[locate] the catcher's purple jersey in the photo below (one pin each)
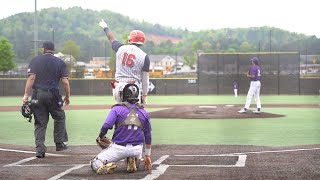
(124, 134)
(256, 71)
(130, 62)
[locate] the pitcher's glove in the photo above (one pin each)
(103, 142)
(248, 73)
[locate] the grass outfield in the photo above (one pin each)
(301, 126)
(265, 99)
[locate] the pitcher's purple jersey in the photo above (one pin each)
(123, 134)
(256, 71)
(130, 62)
(235, 85)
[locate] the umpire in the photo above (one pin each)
(44, 74)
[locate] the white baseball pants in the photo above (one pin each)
(115, 152)
(254, 90)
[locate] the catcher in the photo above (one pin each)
(132, 130)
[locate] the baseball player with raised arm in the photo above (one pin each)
(132, 64)
(255, 75)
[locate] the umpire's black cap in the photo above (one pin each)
(48, 45)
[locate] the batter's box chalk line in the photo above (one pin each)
(241, 162)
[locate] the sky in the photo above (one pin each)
(300, 16)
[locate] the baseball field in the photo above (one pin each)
(249, 146)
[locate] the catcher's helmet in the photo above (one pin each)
(130, 93)
(136, 37)
(26, 109)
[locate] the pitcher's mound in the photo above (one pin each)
(209, 112)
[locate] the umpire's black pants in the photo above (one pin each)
(46, 105)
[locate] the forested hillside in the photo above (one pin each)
(81, 26)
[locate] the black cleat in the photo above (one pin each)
(61, 146)
(40, 154)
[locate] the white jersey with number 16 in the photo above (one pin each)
(129, 64)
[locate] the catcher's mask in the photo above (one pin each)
(130, 93)
(26, 109)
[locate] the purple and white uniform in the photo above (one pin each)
(255, 86)
(131, 62)
(128, 139)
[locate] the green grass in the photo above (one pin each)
(300, 126)
(266, 99)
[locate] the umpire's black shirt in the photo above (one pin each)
(48, 70)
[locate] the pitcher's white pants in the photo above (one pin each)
(235, 92)
(254, 90)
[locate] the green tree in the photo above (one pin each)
(190, 60)
(71, 48)
(245, 47)
(6, 55)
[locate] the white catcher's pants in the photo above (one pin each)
(115, 152)
(254, 90)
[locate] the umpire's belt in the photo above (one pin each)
(43, 90)
(125, 144)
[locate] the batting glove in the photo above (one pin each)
(103, 24)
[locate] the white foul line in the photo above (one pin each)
(204, 155)
(66, 172)
(156, 173)
(240, 163)
(161, 159)
(20, 162)
(27, 159)
(161, 169)
(29, 152)
(255, 152)
(275, 151)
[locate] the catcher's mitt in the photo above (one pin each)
(103, 142)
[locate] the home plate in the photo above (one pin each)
(230, 105)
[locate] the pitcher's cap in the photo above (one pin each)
(255, 59)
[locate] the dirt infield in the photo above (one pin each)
(209, 112)
(169, 162)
